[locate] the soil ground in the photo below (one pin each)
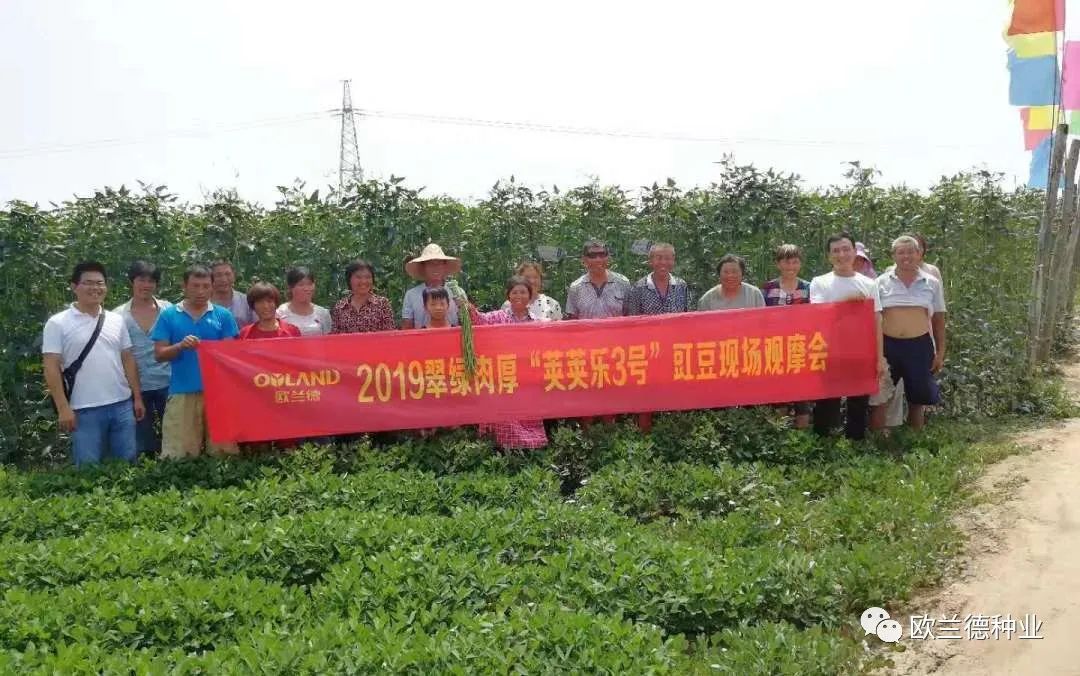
(1022, 557)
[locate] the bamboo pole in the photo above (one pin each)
(1074, 277)
(1067, 270)
(1044, 248)
(1058, 279)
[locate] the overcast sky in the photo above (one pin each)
(201, 94)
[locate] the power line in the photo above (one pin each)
(351, 151)
(646, 135)
(190, 132)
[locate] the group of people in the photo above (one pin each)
(127, 381)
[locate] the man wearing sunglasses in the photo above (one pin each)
(599, 293)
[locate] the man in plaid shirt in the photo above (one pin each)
(657, 293)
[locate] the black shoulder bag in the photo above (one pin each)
(68, 374)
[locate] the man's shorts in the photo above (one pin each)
(184, 432)
(910, 360)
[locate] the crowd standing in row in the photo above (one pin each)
(128, 380)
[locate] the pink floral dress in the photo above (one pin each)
(516, 433)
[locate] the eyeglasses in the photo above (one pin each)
(93, 285)
(596, 254)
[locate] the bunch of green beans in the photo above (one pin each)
(468, 351)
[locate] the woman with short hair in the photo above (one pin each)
(542, 306)
(263, 299)
(516, 309)
(732, 293)
(788, 288)
(362, 310)
(514, 434)
(300, 311)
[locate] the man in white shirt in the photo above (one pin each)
(106, 399)
(844, 284)
(913, 322)
(897, 409)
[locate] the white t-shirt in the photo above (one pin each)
(924, 292)
(101, 380)
(832, 288)
(315, 324)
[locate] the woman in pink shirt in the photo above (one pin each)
(518, 433)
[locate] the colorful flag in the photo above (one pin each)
(1070, 75)
(1040, 164)
(1033, 44)
(1033, 136)
(1041, 118)
(1032, 82)
(1037, 16)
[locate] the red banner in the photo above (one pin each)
(304, 387)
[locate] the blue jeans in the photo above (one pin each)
(113, 424)
(148, 430)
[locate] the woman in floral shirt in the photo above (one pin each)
(542, 306)
(519, 298)
(362, 310)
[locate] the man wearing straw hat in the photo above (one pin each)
(431, 267)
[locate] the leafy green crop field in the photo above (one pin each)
(722, 543)
(974, 223)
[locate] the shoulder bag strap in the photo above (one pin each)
(77, 364)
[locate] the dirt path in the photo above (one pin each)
(1023, 557)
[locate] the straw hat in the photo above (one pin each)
(432, 252)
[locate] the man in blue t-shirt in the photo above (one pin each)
(176, 335)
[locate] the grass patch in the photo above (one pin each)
(725, 542)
